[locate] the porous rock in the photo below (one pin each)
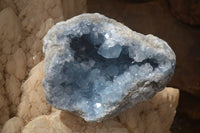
(4, 115)
(46, 124)
(161, 108)
(16, 65)
(154, 116)
(13, 125)
(10, 32)
(13, 93)
(19, 20)
(36, 11)
(10, 26)
(97, 67)
(33, 101)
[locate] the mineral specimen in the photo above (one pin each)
(97, 67)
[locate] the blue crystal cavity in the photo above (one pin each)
(95, 71)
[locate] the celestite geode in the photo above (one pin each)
(97, 67)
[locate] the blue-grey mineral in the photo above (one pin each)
(96, 67)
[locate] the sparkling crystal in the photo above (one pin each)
(97, 67)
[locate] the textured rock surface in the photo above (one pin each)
(13, 90)
(154, 116)
(97, 67)
(45, 8)
(33, 101)
(46, 124)
(15, 66)
(60, 121)
(9, 21)
(13, 125)
(23, 24)
(161, 23)
(10, 36)
(4, 115)
(155, 17)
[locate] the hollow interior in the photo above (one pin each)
(86, 50)
(92, 79)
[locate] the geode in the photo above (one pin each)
(97, 67)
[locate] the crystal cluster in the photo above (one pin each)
(97, 67)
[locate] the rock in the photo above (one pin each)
(4, 110)
(77, 124)
(13, 93)
(10, 26)
(37, 11)
(10, 66)
(139, 17)
(46, 124)
(19, 20)
(8, 3)
(35, 46)
(3, 59)
(44, 28)
(13, 125)
(186, 11)
(55, 123)
(97, 67)
(6, 47)
(155, 115)
(33, 101)
(33, 105)
(17, 64)
(4, 115)
(20, 63)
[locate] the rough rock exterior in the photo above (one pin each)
(162, 23)
(154, 116)
(97, 67)
(161, 108)
(23, 24)
(13, 125)
(33, 101)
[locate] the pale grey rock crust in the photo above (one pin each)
(97, 67)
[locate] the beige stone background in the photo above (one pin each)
(23, 24)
